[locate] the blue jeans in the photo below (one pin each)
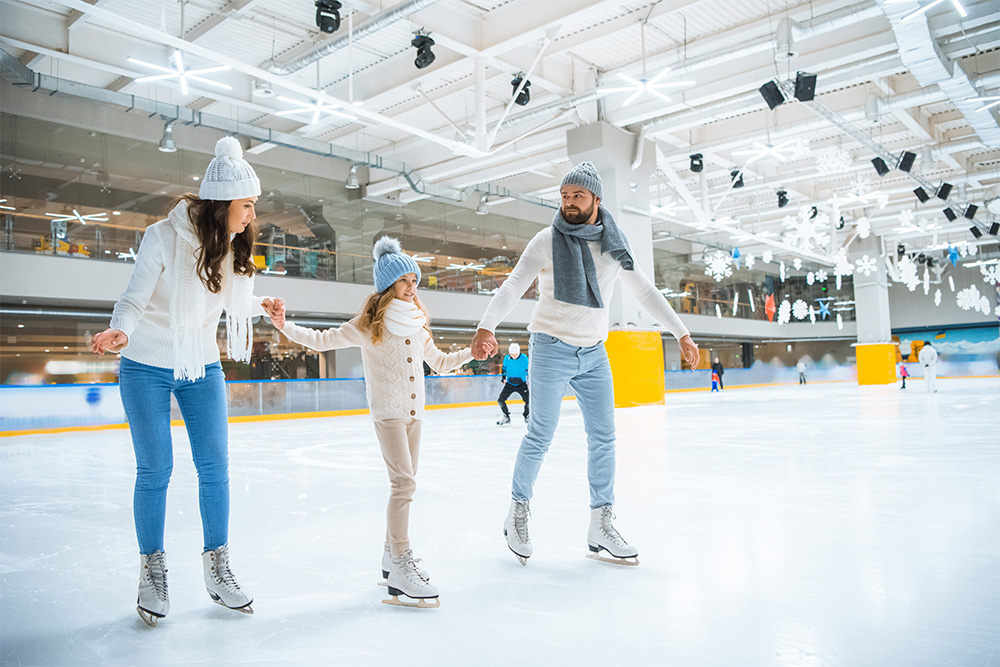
(145, 392)
(553, 365)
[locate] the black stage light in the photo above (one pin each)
(880, 166)
(697, 163)
(976, 232)
(772, 94)
(906, 161)
(950, 214)
(970, 211)
(424, 54)
(805, 86)
(524, 96)
(737, 177)
(782, 199)
(994, 228)
(921, 195)
(813, 212)
(943, 191)
(328, 15)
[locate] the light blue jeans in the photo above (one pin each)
(145, 392)
(553, 365)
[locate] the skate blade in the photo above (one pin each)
(147, 617)
(418, 603)
(632, 560)
(246, 609)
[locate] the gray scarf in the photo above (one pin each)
(574, 276)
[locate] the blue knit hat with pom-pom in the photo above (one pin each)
(391, 263)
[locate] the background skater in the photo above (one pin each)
(514, 373)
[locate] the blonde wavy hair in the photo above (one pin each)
(373, 313)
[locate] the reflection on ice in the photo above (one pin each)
(827, 524)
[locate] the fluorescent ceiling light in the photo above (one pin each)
(76, 217)
(317, 107)
(177, 70)
(639, 86)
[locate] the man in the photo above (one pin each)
(801, 367)
(577, 262)
(514, 373)
(717, 368)
(928, 358)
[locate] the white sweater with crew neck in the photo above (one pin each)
(570, 323)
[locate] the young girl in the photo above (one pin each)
(395, 341)
(190, 266)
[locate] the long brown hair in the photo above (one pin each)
(210, 219)
(373, 313)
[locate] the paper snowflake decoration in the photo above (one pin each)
(991, 274)
(833, 160)
(766, 256)
(840, 322)
(937, 297)
(806, 232)
(984, 305)
(842, 267)
(906, 217)
(867, 265)
(750, 260)
(927, 281)
(812, 314)
(908, 272)
(968, 298)
(784, 312)
(810, 278)
(860, 186)
(781, 271)
(797, 263)
(821, 276)
(864, 227)
(800, 309)
(719, 266)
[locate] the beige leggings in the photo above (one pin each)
(400, 443)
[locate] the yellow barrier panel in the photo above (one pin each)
(876, 363)
(637, 366)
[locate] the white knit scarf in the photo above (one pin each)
(189, 303)
(403, 318)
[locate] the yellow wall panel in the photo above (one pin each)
(637, 366)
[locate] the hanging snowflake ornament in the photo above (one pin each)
(750, 260)
(797, 263)
(719, 266)
(860, 186)
(906, 217)
(927, 281)
(984, 305)
(991, 274)
(937, 297)
(867, 265)
(968, 298)
(883, 200)
(842, 267)
(840, 322)
(800, 309)
(781, 271)
(833, 160)
(766, 256)
(784, 312)
(821, 276)
(810, 278)
(812, 314)
(807, 231)
(864, 227)
(908, 272)
(951, 283)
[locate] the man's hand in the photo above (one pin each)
(484, 345)
(109, 340)
(689, 349)
(275, 309)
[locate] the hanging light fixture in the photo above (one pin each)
(643, 85)
(167, 140)
(178, 70)
(352, 178)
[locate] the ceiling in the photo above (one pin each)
(887, 82)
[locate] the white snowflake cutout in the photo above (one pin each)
(821, 276)
(991, 274)
(810, 278)
(864, 227)
(719, 266)
(968, 298)
(937, 297)
(784, 312)
(797, 263)
(866, 265)
(750, 260)
(800, 309)
(766, 256)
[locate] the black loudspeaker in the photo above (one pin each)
(880, 166)
(805, 87)
(772, 94)
(975, 232)
(943, 191)
(950, 214)
(906, 161)
(994, 228)
(970, 211)
(921, 195)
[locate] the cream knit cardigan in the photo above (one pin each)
(394, 369)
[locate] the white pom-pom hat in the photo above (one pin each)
(391, 263)
(229, 176)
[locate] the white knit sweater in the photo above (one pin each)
(576, 325)
(143, 311)
(394, 369)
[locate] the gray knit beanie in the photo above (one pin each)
(229, 176)
(585, 175)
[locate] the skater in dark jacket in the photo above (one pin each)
(514, 373)
(717, 368)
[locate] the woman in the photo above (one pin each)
(190, 266)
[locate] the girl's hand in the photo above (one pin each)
(109, 340)
(276, 311)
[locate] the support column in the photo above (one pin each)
(634, 346)
(875, 351)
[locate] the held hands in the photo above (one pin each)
(690, 351)
(109, 340)
(484, 345)
(275, 309)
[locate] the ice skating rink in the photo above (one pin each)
(818, 525)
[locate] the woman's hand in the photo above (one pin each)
(275, 309)
(109, 340)
(690, 351)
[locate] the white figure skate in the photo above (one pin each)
(153, 602)
(515, 529)
(602, 537)
(504, 420)
(220, 582)
(387, 565)
(406, 580)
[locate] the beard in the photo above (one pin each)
(577, 216)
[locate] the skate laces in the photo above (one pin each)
(156, 574)
(220, 568)
(606, 516)
(521, 514)
(409, 569)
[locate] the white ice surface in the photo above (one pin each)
(817, 525)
